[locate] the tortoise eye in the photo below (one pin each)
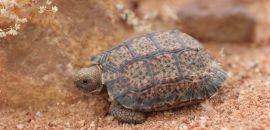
(85, 81)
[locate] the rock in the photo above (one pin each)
(38, 114)
(36, 66)
(109, 118)
(218, 20)
(80, 123)
(183, 127)
(93, 124)
(20, 126)
(224, 128)
(52, 124)
(67, 124)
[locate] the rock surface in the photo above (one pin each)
(218, 20)
(38, 64)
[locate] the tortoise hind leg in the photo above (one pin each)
(126, 115)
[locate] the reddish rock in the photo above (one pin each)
(218, 20)
(36, 66)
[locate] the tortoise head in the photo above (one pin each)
(89, 79)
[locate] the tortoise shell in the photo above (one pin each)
(159, 71)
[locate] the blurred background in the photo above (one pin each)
(37, 64)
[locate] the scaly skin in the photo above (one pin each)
(126, 115)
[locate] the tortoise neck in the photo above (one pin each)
(100, 74)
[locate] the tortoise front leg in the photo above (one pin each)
(126, 115)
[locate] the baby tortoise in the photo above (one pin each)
(152, 72)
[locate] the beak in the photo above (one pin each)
(97, 91)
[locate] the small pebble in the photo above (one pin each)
(52, 124)
(20, 126)
(183, 127)
(92, 124)
(202, 122)
(224, 128)
(109, 118)
(174, 122)
(67, 124)
(80, 123)
(38, 114)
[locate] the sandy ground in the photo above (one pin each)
(36, 89)
(243, 102)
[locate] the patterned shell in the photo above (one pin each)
(159, 71)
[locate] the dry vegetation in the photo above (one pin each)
(14, 13)
(36, 68)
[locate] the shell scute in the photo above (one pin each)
(143, 46)
(167, 41)
(193, 63)
(164, 68)
(138, 76)
(119, 56)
